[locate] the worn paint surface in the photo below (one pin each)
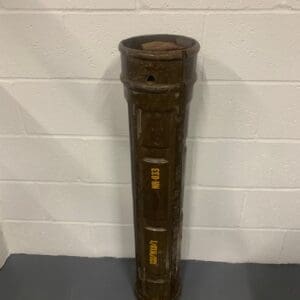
(158, 80)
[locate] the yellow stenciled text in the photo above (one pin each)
(155, 178)
(153, 252)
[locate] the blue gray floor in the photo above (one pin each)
(27, 277)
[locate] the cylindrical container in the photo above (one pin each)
(158, 72)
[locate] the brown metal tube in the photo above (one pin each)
(158, 73)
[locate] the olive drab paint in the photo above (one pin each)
(158, 72)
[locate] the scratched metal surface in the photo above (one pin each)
(158, 73)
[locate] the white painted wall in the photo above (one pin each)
(3, 247)
(64, 154)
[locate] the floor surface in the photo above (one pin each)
(29, 277)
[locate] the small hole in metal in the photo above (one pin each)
(150, 78)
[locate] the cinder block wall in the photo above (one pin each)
(64, 156)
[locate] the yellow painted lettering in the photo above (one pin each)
(155, 178)
(153, 252)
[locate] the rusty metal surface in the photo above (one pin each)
(158, 73)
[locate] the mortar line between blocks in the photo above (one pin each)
(53, 222)
(128, 184)
(274, 11)
(125, 138)
(249, 82)
(61, 79)
(245, 196)
(244, 140)
(223, 11)
(246, 189)
(282, 247)
(68, 11)
(117, 81)
(105, 224)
